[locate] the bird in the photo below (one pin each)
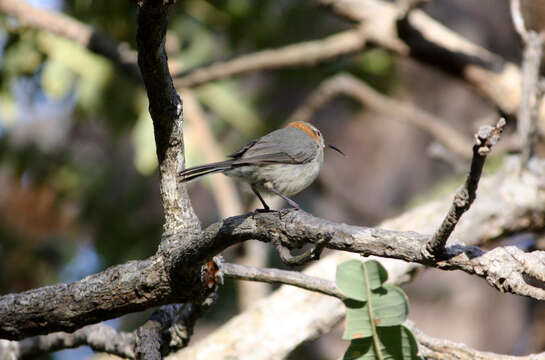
(283, 162)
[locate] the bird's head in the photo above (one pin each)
(314, 133)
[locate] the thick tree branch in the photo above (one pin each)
(139, 285)
(131, 287)
(165, 107)
(428, 41)
(297, 228)
(181, 224)
(484, 140)
(169, 329)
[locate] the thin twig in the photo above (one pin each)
(485, 138)
(277, 276)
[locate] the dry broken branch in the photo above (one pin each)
(486, 137)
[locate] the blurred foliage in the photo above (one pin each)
(94, 180)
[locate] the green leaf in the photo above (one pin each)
(389, 307)
(377, 274)
(395, 342)
(350, 278)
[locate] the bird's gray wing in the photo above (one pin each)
(276, 158)
(287, 146)
(243, 149)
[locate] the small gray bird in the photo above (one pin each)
(283, 162)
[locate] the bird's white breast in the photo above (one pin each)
(288, 179)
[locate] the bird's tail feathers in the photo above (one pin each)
(198, 171)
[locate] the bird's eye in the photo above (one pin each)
(317, 132)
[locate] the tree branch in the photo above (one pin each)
(99, 337)
(307, 53)
(181, 223)
(426, 40)
(262, 332)
(297, 228)
(531, 62)
(169, 329)
(165, 107)
(139, 285)
(276, 276)
(439, 349)
(131, 287)
(484, 140)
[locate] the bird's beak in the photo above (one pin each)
(336, 149)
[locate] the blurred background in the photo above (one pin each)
(78, 178)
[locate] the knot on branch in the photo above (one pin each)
(312, 253)
(485, 138)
